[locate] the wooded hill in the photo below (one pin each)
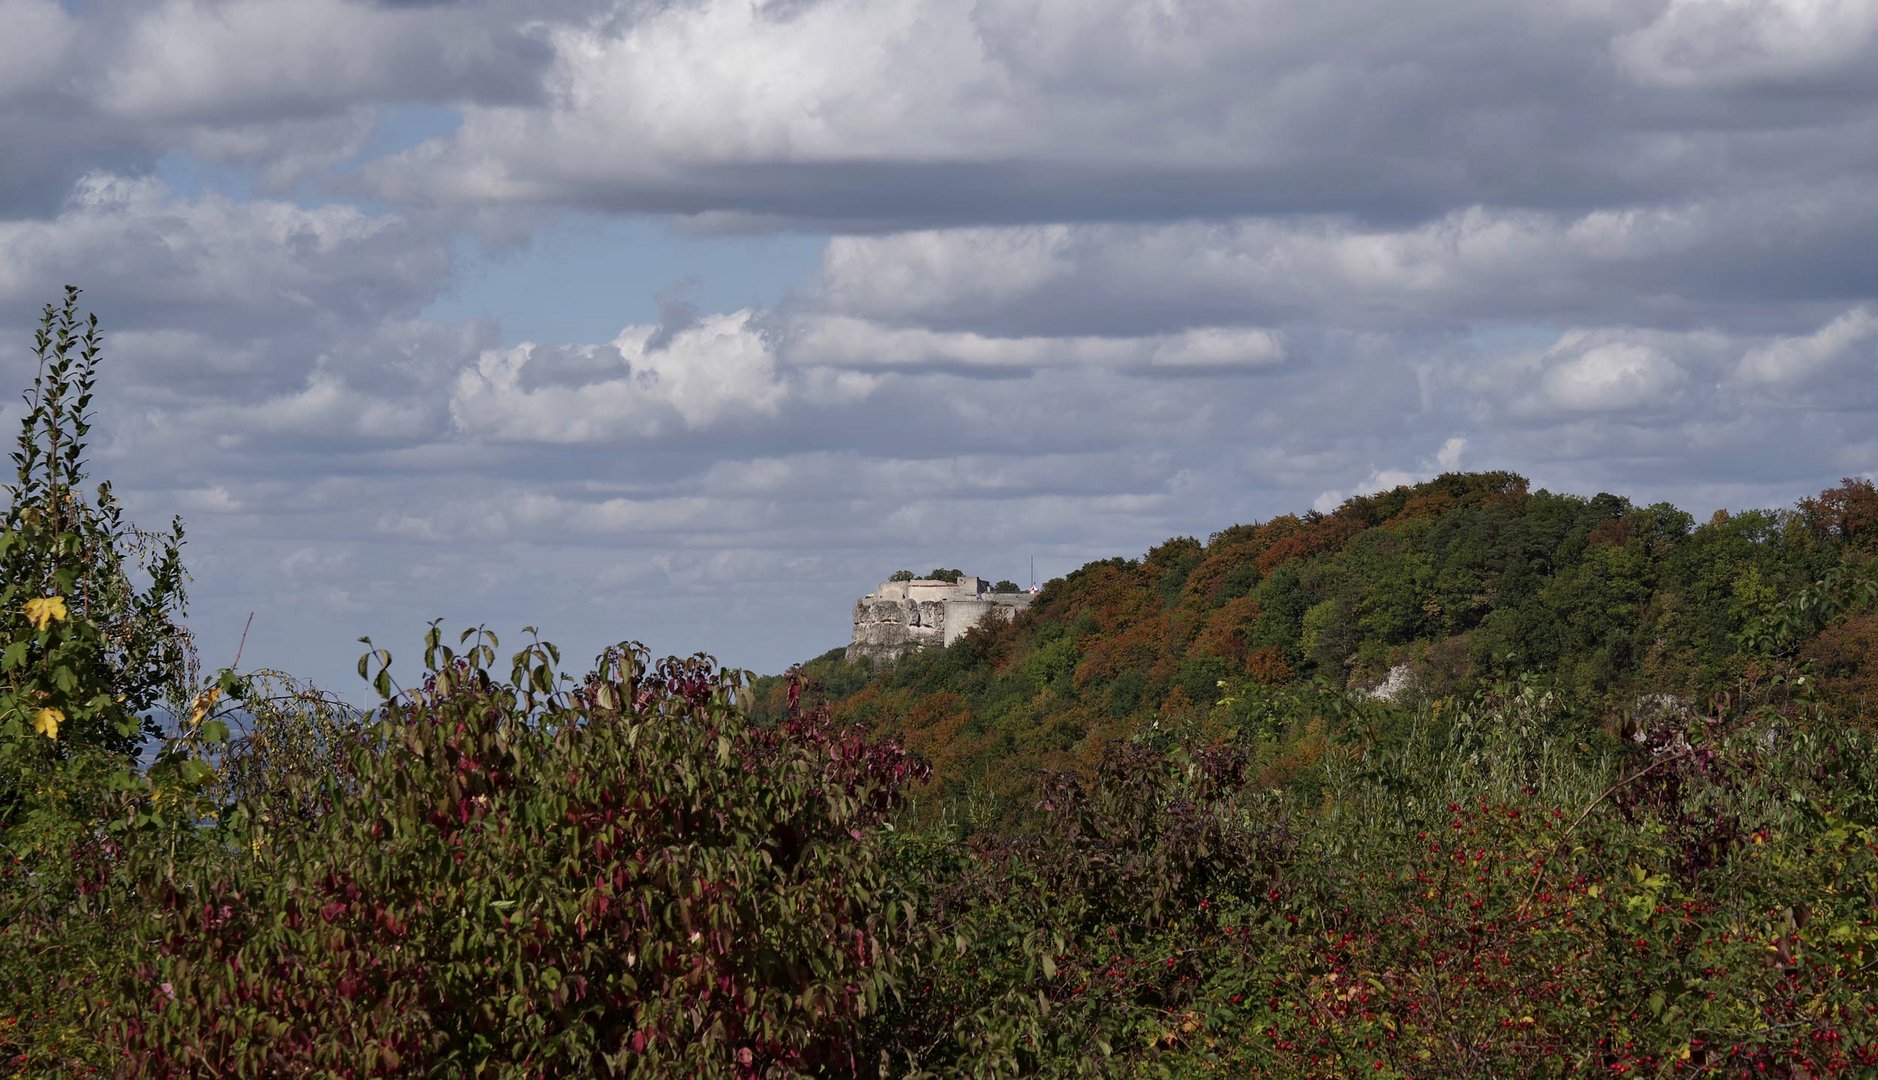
(1465, 580)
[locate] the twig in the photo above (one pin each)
(1582, 814)
(243, 643)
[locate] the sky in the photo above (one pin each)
(688, 321)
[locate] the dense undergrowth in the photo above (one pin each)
(653, 868)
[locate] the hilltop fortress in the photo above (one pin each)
(902, 617)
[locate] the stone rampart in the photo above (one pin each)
(962, 615)
(902, 617)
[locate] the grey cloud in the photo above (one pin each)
(285, 153)
(1757, 261)
(214, 265)
(1722, 45)
(860, 345)
(1008, 112)
(676, 313)
(287, 87)
(263, 60)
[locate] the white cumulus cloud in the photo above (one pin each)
(1611, 377)
(721, 370)
(1852, 336)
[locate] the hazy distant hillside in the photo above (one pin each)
(1464, 579)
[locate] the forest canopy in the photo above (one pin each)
(1451, 586)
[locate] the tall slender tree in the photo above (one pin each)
(90, 605)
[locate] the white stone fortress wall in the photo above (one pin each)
(901, 617)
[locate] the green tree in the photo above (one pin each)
(89, 654)
(90, 648)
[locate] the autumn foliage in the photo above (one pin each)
(529, 876)
(1620, 819)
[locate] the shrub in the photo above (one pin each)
(1462, 891)
(530, 877)
(1036, 948)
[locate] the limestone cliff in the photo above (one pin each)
(889, 629)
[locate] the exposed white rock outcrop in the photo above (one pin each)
(1397, 683)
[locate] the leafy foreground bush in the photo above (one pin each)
(625, 876)
(1454, 893)
(515, 878)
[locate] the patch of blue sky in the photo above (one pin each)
(582, 279)
(397, 128)
(190, 177)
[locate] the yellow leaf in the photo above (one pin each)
(44, 610)
(204, 702)
(46, 722)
